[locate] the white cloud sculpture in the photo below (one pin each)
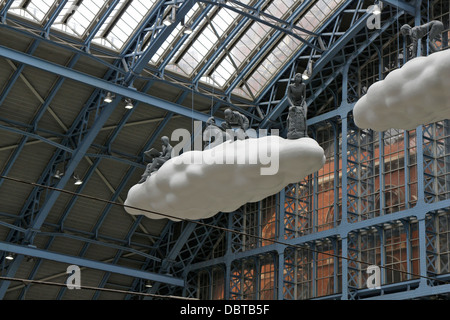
(415, 94)
(224, 178)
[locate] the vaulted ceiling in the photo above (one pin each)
(177, 62)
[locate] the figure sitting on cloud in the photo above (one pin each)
(237, 123)
(158, 158)
(231, 170)
(417, 93)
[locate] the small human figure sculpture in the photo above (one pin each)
(236, 122)
(433, 29)
(296, 120)
(159, 158)
(214, 135)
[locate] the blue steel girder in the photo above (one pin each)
(105, 85)
(4, 10)
(263, 49)
(226, 39)
(52, 17)
(83, 47)
(337, 18)
(99, 23)
(86, 144)
(182, 250)
(159, 39)
(118, 253)
(253, 13)
(174, 252)
(38, 253)
(26, 135)
(81, 150)
(402, 5)
(147, 265)
(96, 163)
(327, 59)
(35, 120)
(123, 183)
(12, 80)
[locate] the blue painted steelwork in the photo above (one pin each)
(160, 37)
(276, 111)
(324, 60)
(52, 17)
(85, 139)
(344, 237)
(96, 28)
(123, 183)
(264, 49)
(101, 84)
(94, 166)
(183, 39)
(401, 4)
(286, 27)
(223, 44)
(4, 10)
(355, 165)
(16, 74)
(32, 252)
(336, 16)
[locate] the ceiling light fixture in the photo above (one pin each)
(58, 174)
(9, 256)
(109, 97)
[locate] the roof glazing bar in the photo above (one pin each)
(276, 23)
(116, 19)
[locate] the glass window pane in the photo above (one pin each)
(176, 34)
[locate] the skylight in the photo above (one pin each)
(75, 19)
(175, 34)
(205, 41)
(122, 23)
(250, 42)
(32, 10)
(196, 56)
(262, 75)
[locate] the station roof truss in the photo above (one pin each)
(176, 62)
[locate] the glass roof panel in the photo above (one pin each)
(206, 41)
(311, 21)
(124, 27)
(252, 40)
(34, 10)
(98, 37)
(162, 51)
(84, 15)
